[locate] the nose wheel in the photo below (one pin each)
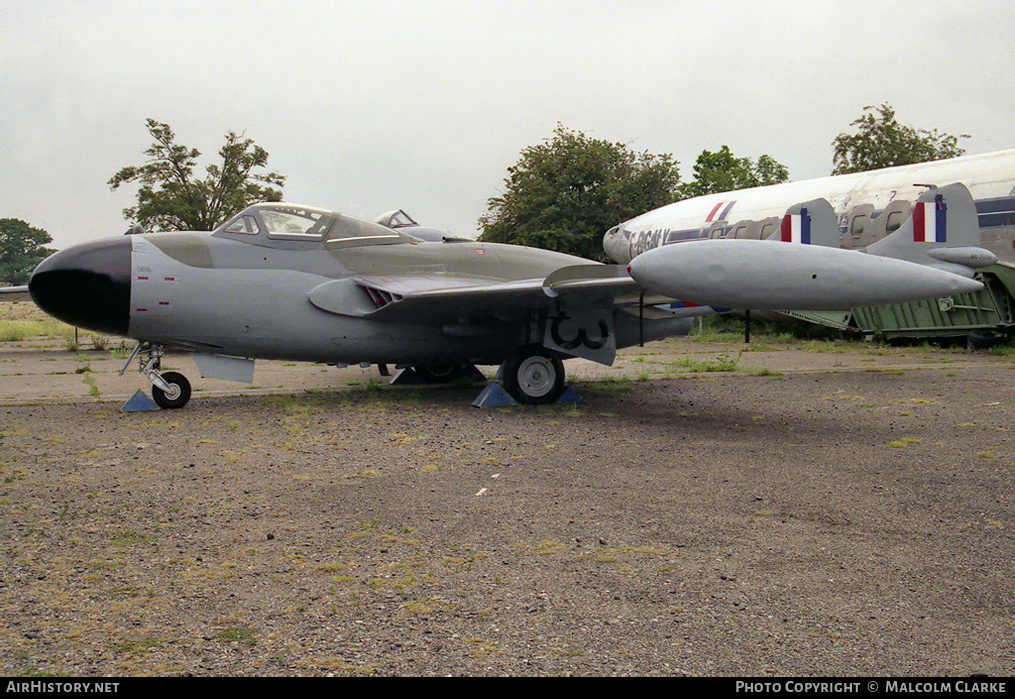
(170, 390)
(533, 375)
(176, 392)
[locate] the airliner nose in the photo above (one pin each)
(87, 286)
(615, 246)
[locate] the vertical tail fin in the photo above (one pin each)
(811, 223)
(943, 232)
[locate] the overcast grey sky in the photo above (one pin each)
(367, 107)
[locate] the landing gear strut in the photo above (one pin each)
(534, 375)
(170, 389)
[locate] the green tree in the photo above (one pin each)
(21, 249)
(171, 198)
(566, 192)
(881, 141)
(722, 171)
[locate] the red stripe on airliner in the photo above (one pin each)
(714, 211)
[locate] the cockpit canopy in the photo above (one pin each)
(403, 222)
(395, 219)
(293, 226)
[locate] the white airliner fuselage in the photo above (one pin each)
(868, 205)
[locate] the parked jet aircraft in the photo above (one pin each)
(293, 282)
(286, 281)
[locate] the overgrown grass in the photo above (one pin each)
(622, 384)
(237, 634)
(1006, 350)
(728, 328)
(723, 362)
(21, 330)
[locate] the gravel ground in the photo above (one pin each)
(840, 516)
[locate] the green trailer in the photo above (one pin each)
(981, 316)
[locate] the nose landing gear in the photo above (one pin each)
(170, 390)
(177, 391)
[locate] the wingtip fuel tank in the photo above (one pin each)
(770, 275)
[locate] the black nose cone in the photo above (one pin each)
(87, 286)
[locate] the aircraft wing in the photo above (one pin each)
(577, 302)
(395, 300)
(415, 298)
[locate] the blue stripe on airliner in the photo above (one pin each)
(995, 213)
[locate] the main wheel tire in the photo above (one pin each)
(534, 375)
(178, 394)
(439, 373)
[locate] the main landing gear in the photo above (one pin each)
(171, 389)
(533, 375)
